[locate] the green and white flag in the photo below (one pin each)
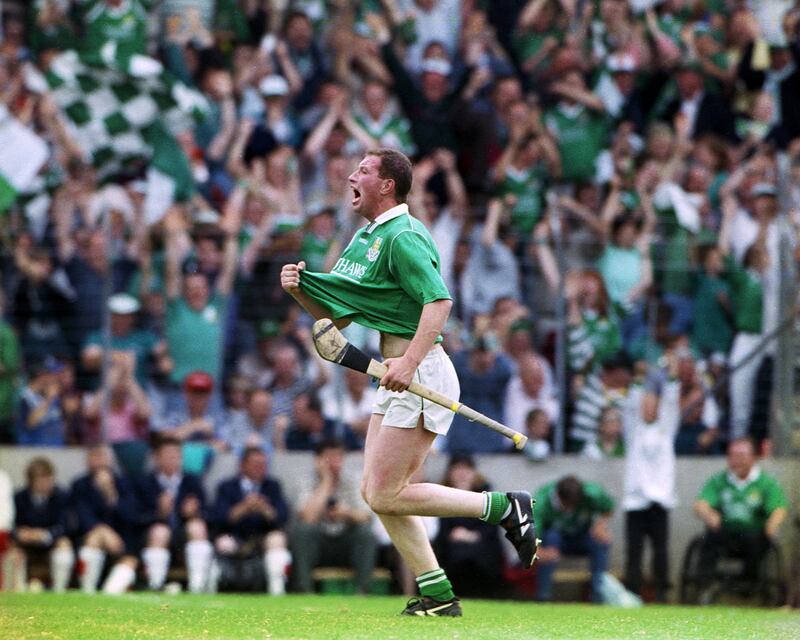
(124, 110)
(22, 155)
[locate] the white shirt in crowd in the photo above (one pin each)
(519, 404)
(650, 450)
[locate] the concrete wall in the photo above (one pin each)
(505, 472)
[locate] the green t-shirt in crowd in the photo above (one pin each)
(548, 515)
(527, 45)
(194, 338)
(621, 269)
(141, 343)
(527, 186)
(390, 269)
(314, 250)
(711, 330)
(748, 296)
(125, 25)
(391, 131)
(744, 505)
(581, 135)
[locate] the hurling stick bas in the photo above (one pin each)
(334, 347)
(378, 370)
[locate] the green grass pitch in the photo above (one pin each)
(164, 617)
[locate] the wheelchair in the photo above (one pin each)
(770, 587)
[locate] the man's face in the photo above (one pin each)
(375, 100)
(122, 323)
(98, 458)
(43, 485)
(368, 187)
(260, 406)
(434, 86)
(254, 467)
(285, 363)
(333, 459)
(299, 33)
(689, 83)
(196, 291)
(197, 402)
(169, 460)
(741, 458)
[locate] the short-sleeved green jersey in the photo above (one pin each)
(548, 515)
(384, 277)
(744, 505)
(527, 185)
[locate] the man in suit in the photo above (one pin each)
(104, 504)
(41, 527)
(705, 111)
(173, 510)
(250, 512)
(782, 81)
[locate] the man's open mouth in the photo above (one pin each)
(356, 197)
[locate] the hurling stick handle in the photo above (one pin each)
(378, 370)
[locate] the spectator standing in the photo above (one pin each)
(251, 514)
(528, 390)
(651, 419)
(40, 420)
(10, 365)
(333, 527)
(195, 314)
(483, 374)
(573, 517)
(252, 427)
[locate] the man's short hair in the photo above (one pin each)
(569, 491)
(328, 443)
(165, 441)
(38, 468)
(744, 440)
(396, 166)
(252, 451)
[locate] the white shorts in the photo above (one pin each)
(404, 408)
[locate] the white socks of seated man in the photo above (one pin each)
(62, 559)
(156, 564)
(276, 562)
(199, 556)
(118, 581)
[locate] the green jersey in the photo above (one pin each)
(548, 514)
(581, 135)
(527, 185)
(390, 269)
(390, 131)
(745, 504)
(126, 25)
(748, 296)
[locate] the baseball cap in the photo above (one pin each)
(198, 381)
(123, 303)
(273, 85)
(436, 65)
(621, 62)
(763, 189)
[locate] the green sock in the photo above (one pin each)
(496, 506)
(434, 584)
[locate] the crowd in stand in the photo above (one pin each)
(639, 161)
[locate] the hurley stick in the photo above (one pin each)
(334, 347)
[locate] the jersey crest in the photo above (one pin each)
(374, 250)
